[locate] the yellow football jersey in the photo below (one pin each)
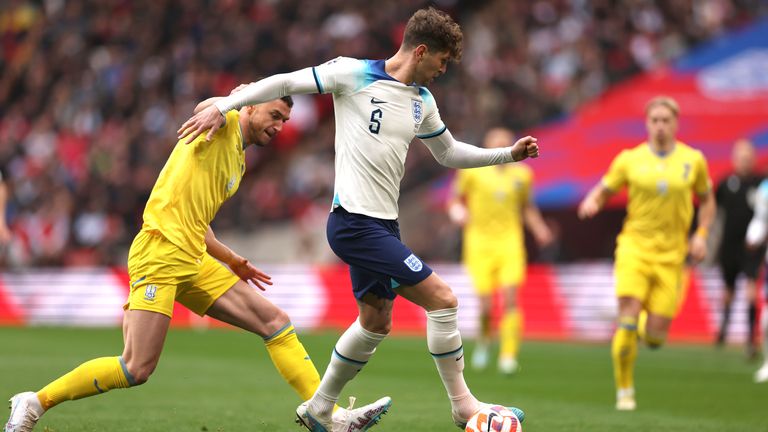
(660, 207)
(495, 197)
(194, 183)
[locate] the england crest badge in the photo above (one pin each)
(413, 263)
(417, 108)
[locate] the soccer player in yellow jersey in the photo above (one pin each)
(176, 256)
(662, 175)
(492, 203)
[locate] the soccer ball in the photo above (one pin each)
(494, 418)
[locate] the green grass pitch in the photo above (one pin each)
(222, 380)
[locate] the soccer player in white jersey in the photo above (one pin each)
(756, 236)
(380, 106)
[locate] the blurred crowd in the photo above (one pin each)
(92, 93)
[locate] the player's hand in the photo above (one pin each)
(238, 88)
(524, 148)
(208, 119)
(698, 248)
(247, 272)
(458, 214)
(544, 238)
(5, 235)
(588, 209)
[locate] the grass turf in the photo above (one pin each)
(222, 380)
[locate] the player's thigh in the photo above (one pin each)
(433, 293)
(632, 277)
(730, 266)
(753, 260)
(242, 306)
(668, 290)
(512, 268)
(156, 269)
(483, 271)
(379, 261)
(211, 282)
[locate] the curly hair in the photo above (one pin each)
(435, 29)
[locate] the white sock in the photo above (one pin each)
(351, 353)
(444, 342)
(764, 329)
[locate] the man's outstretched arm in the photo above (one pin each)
(239, 265)
(211, 118)
(456, 154)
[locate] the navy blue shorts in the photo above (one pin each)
(378, 261)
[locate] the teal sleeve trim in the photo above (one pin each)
(433, 134)
(317, 81)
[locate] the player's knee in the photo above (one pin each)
(446, 299)
(140, 373)
(280, 318)
(380, 328)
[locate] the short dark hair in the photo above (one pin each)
(435, 29)
(288, 101)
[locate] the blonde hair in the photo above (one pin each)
(664, 101)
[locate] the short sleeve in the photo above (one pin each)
(341, 75)
(702, 184)
(431, 125)
(616, 177)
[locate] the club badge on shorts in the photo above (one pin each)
(413, 263)
(150, 292)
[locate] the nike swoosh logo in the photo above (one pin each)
(377, 101)
(459, 358)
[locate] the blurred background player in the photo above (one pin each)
(661, 176)
(5, 232)
(735, 201)
(380, 107)
(492, 203)
(756, 235)
(176, 256)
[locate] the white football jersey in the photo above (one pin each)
(377, 117)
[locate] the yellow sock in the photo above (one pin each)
(642, 323)
(292, 361)
(624, 352)
(510, 328)
(92, 377)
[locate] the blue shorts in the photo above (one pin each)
(378, 261)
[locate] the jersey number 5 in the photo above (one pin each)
(375, 124)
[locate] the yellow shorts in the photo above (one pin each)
(660, 286)
(491, 269)
(160, 273)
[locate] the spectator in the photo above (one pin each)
(71, 74)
